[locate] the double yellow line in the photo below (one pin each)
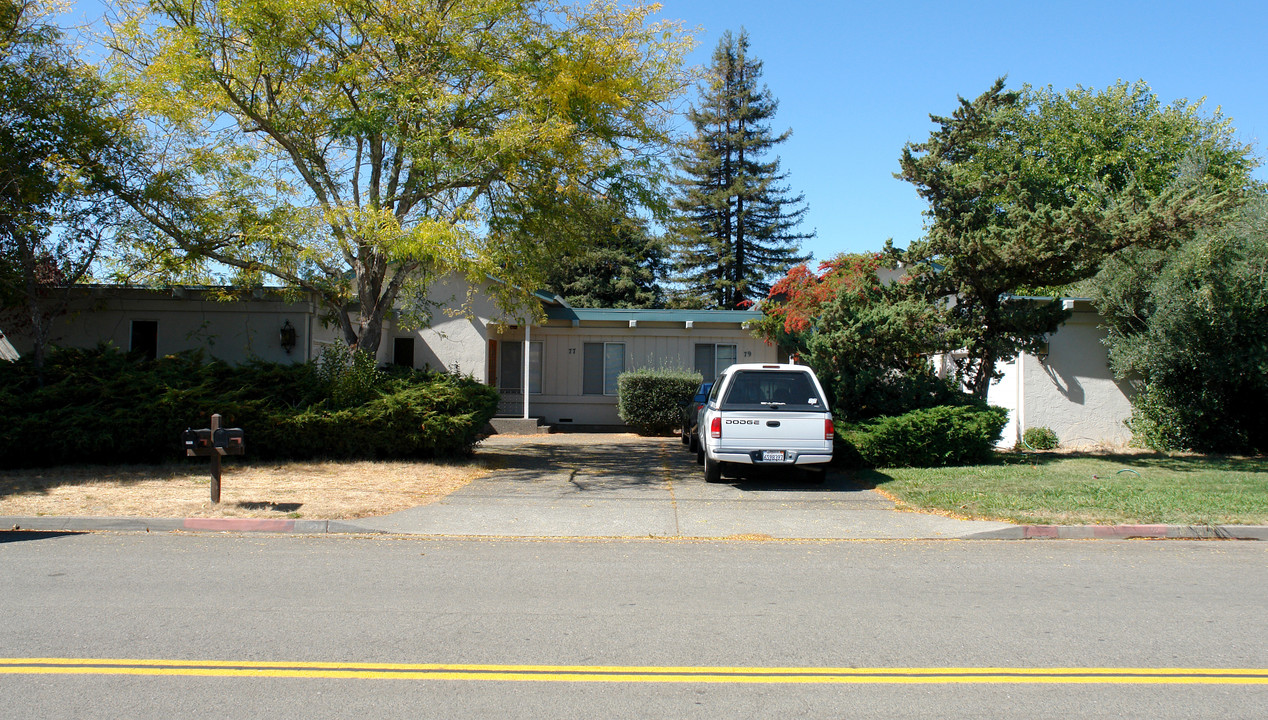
(632, 674)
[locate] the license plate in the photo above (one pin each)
(772, 456)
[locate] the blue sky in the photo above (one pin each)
(856, 81)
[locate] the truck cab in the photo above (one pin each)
(766, 414)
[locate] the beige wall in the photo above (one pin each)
(649, 345)
(1072, 391)
(233, 331)
(458, 333)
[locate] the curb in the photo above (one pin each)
(1125, 532)
(326, 527)
(126, 524)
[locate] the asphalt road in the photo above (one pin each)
(536, 622)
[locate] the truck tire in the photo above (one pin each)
(712, 470)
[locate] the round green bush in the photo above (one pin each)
(1040, 438)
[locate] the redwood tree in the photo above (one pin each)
(738, 224)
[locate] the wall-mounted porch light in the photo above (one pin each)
(287, 336)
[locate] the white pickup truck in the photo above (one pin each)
(774, 415)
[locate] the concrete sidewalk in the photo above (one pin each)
(618, 485)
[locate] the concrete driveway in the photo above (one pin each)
(616, 485)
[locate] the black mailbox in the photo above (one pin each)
(229, 440)
(196, 439)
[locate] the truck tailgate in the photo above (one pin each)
(784, 430)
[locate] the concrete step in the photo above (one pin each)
(517, 426)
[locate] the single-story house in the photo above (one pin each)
(573, 357)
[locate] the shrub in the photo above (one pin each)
(99, 406)
(650, 401)
(944, 435)
(1039, 438)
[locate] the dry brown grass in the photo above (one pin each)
(316, 490)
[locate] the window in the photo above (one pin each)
(512, 367)
(774, 390)
(602, 364)
(711, 359)
(403, 351)
(145, 338)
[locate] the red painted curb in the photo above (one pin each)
(1043, 531)
(239, 524)
(1115, 531)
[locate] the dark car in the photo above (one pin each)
(691, 414)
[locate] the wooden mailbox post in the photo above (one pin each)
(214, 442)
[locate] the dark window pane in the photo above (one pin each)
(592, 369)
(704, 362)
(403, 352)
(145, 338)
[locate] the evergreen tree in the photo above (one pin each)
(1038, 188)
(618, 264)
(738, 222)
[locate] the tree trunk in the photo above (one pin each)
(982, 380)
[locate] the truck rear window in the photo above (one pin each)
(772, 390)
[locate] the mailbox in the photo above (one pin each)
(229, 440)
(212, 443)
(196, 439)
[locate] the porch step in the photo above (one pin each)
(517, 426)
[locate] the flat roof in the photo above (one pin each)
(676, 316)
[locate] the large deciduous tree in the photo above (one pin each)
(355, 148)
(64, 150)
(738, 222)
(1036, 188)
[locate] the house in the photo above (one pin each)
(570, 360)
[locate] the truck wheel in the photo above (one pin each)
(695, 443)
(699, 454)
(712, 470)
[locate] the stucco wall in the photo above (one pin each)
(1073, 391)
(458, 334)
(234, 331)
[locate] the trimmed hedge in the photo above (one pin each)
(100, 406)
(650, 401)
(943, 435)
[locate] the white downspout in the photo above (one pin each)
(1021, 396)
(527, 346)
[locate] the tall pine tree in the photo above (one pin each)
(738, 222)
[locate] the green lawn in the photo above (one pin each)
(1052, 489)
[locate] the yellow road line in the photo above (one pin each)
(631, 674)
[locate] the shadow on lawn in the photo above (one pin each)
(1142, 460)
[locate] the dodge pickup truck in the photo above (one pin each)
(773, 415)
